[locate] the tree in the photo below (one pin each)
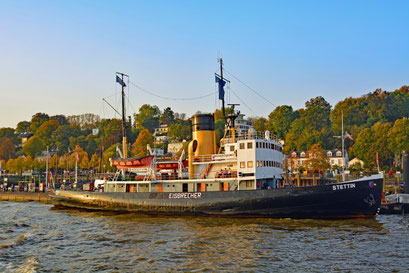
(167, 116)
(399, 136)
(110, 153)
(279, 121)
(95, 161)
(7, 148)
(260, 124)
(62, 120)
(61, 136)
(139, 147)
(371, 141)
(34, 146)
(148, 117)
(37, 120)
(46, 129)
(85, 121)
(23, 126)
(317, 160)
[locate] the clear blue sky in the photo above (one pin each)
(60, 57)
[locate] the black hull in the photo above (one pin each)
(358, 198)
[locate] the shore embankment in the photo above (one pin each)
(25, 197)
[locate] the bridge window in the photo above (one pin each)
(249, 164)
(249, 145)
(231, 148)
(241, 146)
(242, 164)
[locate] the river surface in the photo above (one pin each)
(38, 238)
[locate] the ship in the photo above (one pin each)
(242, 177)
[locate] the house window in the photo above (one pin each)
(249, 164)
(339, 153)
(231, 148)
(329, 154)
(302, 154)
(294, 154)
(250, 145)
(242, 164)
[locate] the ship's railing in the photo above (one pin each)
(214, 157)
(251, 135)
(220, 173)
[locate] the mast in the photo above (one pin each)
(123, 85)
(223, 82)
(342, 136)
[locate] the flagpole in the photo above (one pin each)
(76, 169)
(46, 171)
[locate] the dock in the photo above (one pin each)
(25, 197)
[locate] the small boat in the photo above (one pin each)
(395, 204)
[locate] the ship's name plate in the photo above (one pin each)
(343, 186)
(185, 195)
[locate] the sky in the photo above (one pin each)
(60, 57)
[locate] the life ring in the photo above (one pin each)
(201, 175)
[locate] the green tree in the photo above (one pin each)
(23, 126)
(260, 124)
(45, 131)
(148, 117)
(371, 141)
(279, 121)
(167, 116)
(34, 146)
(61, 136)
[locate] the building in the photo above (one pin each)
(175, 147)
(160, 134)
(24, 137)
(296, 159)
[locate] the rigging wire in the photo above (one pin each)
(167, 98)
(248, 107)
(249, 87)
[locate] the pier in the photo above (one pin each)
(25, 197)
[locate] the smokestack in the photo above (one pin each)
(405, 161)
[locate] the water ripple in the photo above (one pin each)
(38, 238)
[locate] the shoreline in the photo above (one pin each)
(25, 197)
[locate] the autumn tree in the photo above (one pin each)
(139, 147)
(317, 160)
(37, 120)
(398, 136)
(7, 148)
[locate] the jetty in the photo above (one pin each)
(25, 197)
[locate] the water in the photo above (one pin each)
(38, 238)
